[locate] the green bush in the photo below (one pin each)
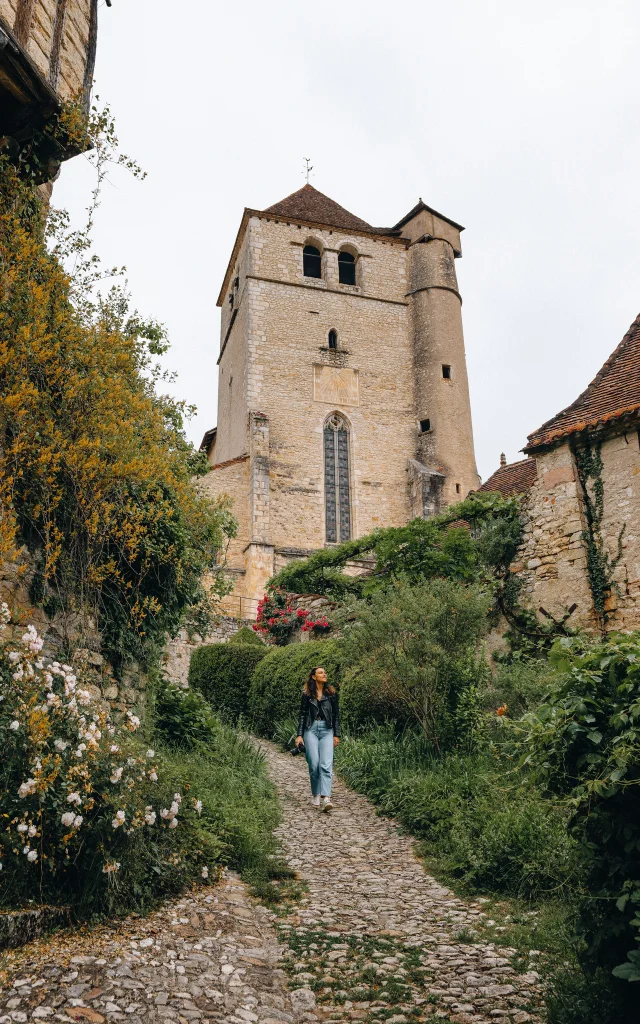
(183, 718)
(520, 685)
(415, 645)
(276, 687)
(364, 705)
(245, 635)
(222, 672)
(92, 816)
(584, 742)
(498, 837)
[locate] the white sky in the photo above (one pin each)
(518, 120)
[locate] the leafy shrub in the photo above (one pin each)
(183, 718)
(415, 645)
(245, 635)
(222, 672)
(277, 620)
(584, 741)
(365, 706)
(126, 535)
(518, 686)
(239, 803)
(90, 816)
(276, 687)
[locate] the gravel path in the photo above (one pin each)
(373, 938)
(373, 919)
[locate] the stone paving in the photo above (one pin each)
(372, 938)
(373, 919)
(208, 957)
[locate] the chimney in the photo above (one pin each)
(503, 459)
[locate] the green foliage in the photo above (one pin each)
(518, 686)
(183, 718)
(424, 549)
(416, 646)
(96, 472)
(364, 705)
(239, 803)
(600, 565)
(276, 687)
(222, 672)
(245, 635)
(90, 816)
(584, 741)
(487, 830)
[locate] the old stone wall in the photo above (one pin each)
(553, 559)
(59, 36)
(67, 637)
(177, 655)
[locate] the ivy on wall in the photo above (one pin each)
(600, 565)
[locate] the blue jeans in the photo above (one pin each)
(318, 742)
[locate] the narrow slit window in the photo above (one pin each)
(337, 481)
(333, 339)
(311, 261)
(346, 268)
(458, 488)
(446, 371)
(425, 426)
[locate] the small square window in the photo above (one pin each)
(425, 426)
(446, 371)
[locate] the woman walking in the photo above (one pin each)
(319, 730)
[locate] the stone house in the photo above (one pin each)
(581, 488)
(343, 400)
(47, 56)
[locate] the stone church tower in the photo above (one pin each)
(343, 403)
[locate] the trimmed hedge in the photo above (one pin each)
(222, 672)
(277, 682)
(246, 636)
(364, 707)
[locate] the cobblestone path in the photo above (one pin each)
(373, 938)
(207, 958)
(376, 937)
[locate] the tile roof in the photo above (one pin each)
(613, 393)
(515, 478)
(309, 204)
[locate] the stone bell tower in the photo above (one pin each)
(444, 443)
(343, 403)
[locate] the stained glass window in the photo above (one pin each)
(336, 480)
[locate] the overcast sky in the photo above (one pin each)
(518, 120)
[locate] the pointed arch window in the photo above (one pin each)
(337, 480)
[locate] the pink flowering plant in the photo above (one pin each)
(277, 620)
(88, 815)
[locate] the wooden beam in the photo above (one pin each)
(56, 46)
(22, 24)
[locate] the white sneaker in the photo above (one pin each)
(326, 804)
(315, 801)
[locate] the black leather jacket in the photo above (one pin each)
(310, 710)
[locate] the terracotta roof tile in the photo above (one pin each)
(309, 204)
(613, 393)
(515, 478)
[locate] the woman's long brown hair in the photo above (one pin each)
(310, 685)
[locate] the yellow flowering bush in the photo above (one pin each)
(88, 815)
(96, 473)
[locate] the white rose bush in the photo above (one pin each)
(88, 815)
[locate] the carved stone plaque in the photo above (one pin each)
(335, 385)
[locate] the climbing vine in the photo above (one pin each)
(600, 565)
(96, 473)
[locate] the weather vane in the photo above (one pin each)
(307, 167)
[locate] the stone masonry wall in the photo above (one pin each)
(36, 25)
(553, 558)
